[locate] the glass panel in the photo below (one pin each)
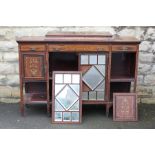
(75, 88)
(75, 116)
(92, 77)
(84, 95)
(58, 116)
(100, 95)
(58, 78)
(75, 78)
(67, 97)
(67, 78)
(101, 59)
(58, 87)
(101, 86)
(101, 68)
(67, 116)
(84, 59)
(75, 107)
(93, 59)
(58, 107)
(92, 95)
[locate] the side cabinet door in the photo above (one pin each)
(34, 65)
(93, 68)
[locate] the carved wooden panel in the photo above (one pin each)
(124, 107)
(33, 66)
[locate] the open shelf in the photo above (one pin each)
(59, 61)
(119, 87)
(123, 67)
(35, 92)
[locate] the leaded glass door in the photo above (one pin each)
(66, 105)
(93, 67)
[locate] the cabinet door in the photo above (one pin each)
(34, 65)
(93, 67)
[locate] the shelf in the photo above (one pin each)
(122, 79)
(35, 98)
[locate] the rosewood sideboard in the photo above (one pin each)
(108, 65)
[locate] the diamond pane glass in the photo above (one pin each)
(59, 78)
(75, 88)
(75, 106)
(66, 116)
(75, 78)
(58, 107)
(92, 95)
(58, 87)
(67, 78)
(100, 95)
(84, 59)
(101, 68)
(101, 86)
(75, 116)
(101, 59)
(93, 59)
(92, 78)
(58, 116)
(84, 95)
(67, 97)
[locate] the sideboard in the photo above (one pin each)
(108, 64)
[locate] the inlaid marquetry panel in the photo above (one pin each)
(124, 107)
(33, 66)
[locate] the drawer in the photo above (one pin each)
(32, 47)
(77, 48)
(124, 48)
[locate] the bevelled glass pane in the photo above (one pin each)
(100, 95)
(93, 59)
(58, 107)
(67, 116)
(75, 87)
(67, 78)
(58, 116)
(75, 78)
(101, 59)
(92, 78)
(84, 95)
(92, 95)
(75, 106)
(101, 68)
(84, 59)
(58, 88)
(75, 116)
(67, 97)
(58, 78)
(101, 86)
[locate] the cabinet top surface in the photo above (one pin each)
(104, 37)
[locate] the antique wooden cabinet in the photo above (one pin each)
(108, 64)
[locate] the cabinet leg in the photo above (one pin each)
(107, 110)
(48, 111)
(22, 110)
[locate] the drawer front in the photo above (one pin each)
(124, 48)
(32, 47)
(77, 48)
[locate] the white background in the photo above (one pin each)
(77, 13)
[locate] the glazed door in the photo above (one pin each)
(34, 65)
(93, 68)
